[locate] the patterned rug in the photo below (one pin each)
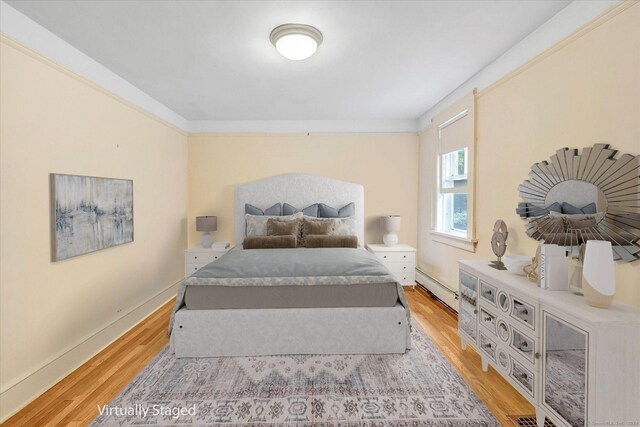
(418, 388)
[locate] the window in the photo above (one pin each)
(453, 193)
(454, 196)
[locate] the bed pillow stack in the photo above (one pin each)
(317, 219)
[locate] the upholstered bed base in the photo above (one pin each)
(252, 332)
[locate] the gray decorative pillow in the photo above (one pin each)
(312, 210)
(555, 207)
(275, 210)
(256, 225)
(568, 208)
(326, 211)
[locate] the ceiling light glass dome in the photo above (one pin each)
(296, 41)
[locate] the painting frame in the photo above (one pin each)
(105, 223)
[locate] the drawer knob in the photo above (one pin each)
(488, 345)
(537, 355)
(404, 268)
(384, 256)
(524, 345)
(488, 319)
(475, 311)
(404, 256)
(195, 257)
(523, 376)
(215, 258)
(489, 292)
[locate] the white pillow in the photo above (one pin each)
(256, 225)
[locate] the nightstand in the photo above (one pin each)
(399, 259)
(197, 257)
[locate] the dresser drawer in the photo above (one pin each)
(201, 257)
(523, 345)
(523, 312)
(388, 257)
(488, 320)
(488, 292)
(488, 346)
(523, 377)
(406, 278)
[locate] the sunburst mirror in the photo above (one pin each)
(589, 195)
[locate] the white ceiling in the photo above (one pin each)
(212, 60)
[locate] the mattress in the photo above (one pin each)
(317, 296)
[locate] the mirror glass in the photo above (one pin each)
(581, 195)
(503, 301)
(565, 375)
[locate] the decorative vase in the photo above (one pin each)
(598, 274)
(575, 282)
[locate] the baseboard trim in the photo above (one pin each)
(23, 392)
(438, 289)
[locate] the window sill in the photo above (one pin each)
(463, 243)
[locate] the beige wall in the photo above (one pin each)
(54, 315)
(386, 164)
(584, 91)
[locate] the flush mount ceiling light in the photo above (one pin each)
(296, 41)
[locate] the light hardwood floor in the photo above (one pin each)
(74, 400)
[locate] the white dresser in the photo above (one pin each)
(577, 365)
(197, 257)
(399, 259)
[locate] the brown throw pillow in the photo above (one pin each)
(276, 227)
(324, 241)
(270, 242)
(312, 226)
(316, 227)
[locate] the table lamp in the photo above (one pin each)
(206, 224)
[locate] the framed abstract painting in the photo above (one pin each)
(89, 214)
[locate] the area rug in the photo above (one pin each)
(418, 388)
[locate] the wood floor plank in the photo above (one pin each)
(74, 400)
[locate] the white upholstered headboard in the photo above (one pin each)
(299, 190)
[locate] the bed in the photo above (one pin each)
(291, 301)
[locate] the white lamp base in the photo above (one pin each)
(206, 240)
(390, 239)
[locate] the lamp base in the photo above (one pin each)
(206, 240)
(390, 239)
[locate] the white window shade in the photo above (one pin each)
(457, 133)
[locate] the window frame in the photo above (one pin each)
(463, 239)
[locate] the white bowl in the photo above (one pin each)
(514, 263)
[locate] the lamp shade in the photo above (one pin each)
(391, 223)
(206, 223)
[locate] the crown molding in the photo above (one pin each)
(23, 30)
(303, 126)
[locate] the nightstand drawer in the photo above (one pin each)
(192, 267)
(385, 257)
(201, 257)
(400, 267)
(406, 278)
